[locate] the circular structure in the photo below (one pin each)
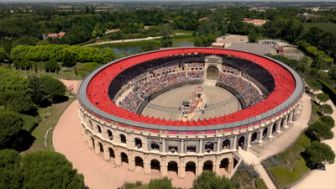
(187, 137)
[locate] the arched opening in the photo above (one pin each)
(282, 122)
(101, 148)
(241, 141)
(111, 153)
(122, 138)
(224, 164)
(139, 162)
(226, 144)
(190, 167)
(212, 73)
(109, 134)
(254, 137)
(138, 143)
(208, 166)
(273, 128)
(155, 165)
(155, 146)
(99, 129)
(209, 147)
(172, 166)
(93, 142)
(124, 157)
(264, 133)
(90, 122)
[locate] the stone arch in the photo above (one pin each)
(212, 72)
(208, 166)
(111, 153)
(124, 157)
(254, 137)
(190, 167)
(224, 164)
(109, 134)
(122, 138)
(264, 133)
(226, 144)
(139, 162)
(241, 141)
(173, 166)
(101, 147)
(138, 143)
(155, 165)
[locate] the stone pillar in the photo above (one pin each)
(278, 125)
(231, 164)
(147, 165)
(181, 169)
(249, 135)
(218, 144)
(163, 145)
(131, 162)
(199, 169)
(89, 140)
(201, 146)
(106, 153)
(285, 121)
(182, 147)
(269, 131)
(117, 157)
(164, 170)
(216, 165)
(234, 142)
(97, 148)
(260, 137)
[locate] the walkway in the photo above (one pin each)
(318, 178)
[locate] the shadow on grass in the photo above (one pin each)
(60, 99)
(23, 141)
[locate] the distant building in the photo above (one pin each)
(112, 31)
(227, 40)
(256, 22)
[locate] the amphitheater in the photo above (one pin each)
(186, 110)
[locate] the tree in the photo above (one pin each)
(209, 180)
(3, 55)
(69, 58)
(253, 36)
(10, 174)
(318, 153)
(51, 66)
(10, 126)
(166, 35)
(315, 85)
(328, 121)
(163, 183)
(49, 170)
(326, 109)
(149, 46)
(318, 131)
(323, 97)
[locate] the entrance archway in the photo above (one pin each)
(124, 157)
(212, 73)
(111, 152)
(241, 141)
(264, 134)
(172, 166)
(190, 167)
(139, 162)
(254, 137)
(208, 166)
(155, 165)
(224, 164)
(101, 148)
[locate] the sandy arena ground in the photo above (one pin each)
(175, 97)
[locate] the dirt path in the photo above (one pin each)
(318, 178)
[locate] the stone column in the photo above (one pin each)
(97, 148)
(117, 157)
(201, 146)
(182, 147)
(181, 169)
(131, 162)
(89, 140)
(249, 135)
(235, 142)
(285, 121)
(106, 153)
(269, 131)
(218, 144)
(147, 165)
(164, 170)
(260, 137)
(163, 145)
(199, 169)
(231, 162)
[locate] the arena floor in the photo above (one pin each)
(219, 102)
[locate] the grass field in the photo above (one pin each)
(49, 117)
(289, 166)
(248, 178)
(329, 27)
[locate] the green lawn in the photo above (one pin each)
(329, 27)
(30, 122)
(49, 117)
(288, 166)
